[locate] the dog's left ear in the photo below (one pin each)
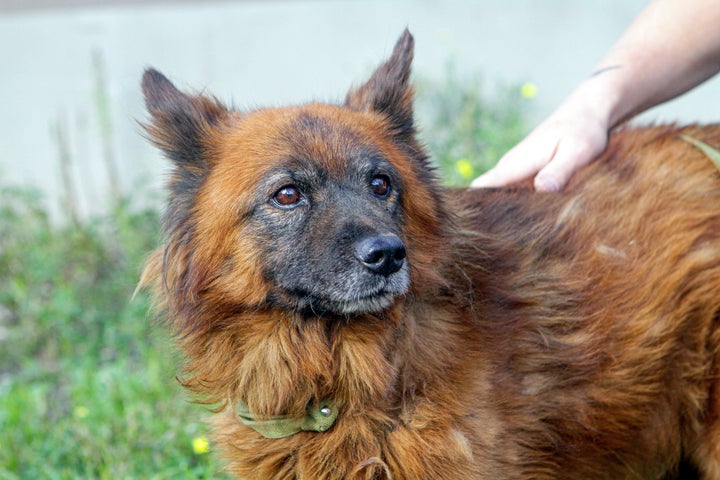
(388, 91)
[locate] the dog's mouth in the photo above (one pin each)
(367, 304)
(356, 299)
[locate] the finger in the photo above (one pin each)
(500, 175)
(514, 166)
(569, 157)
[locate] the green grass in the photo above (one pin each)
(87, 378)
(121, 420)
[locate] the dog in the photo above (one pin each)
(350, 318)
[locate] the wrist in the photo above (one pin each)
(592, 102)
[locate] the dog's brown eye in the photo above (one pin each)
(380, 185)
(287, 196)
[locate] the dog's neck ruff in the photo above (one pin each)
(318, 418)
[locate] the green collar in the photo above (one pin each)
(318, 418)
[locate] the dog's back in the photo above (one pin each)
(602, 309)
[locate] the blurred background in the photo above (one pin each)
(87, 385)
(71, 68)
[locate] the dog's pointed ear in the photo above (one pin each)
(388, 91)
(180, 123)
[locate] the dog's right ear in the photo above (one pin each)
(180, 123)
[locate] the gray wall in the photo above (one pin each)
(270, 53)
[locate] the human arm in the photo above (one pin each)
(669, 48)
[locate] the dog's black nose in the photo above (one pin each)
(383, 254)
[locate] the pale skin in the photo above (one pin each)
(671, 47)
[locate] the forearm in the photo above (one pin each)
(671, 47)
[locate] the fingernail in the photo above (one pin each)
(546, 184)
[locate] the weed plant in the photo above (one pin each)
(87, 386)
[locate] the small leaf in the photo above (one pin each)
(709, 151)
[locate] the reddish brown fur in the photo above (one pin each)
(570, 335)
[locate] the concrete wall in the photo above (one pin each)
(268, 53)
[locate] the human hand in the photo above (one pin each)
(570, 138)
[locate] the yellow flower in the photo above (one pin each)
(200, 445)
(81, 411)
(465, 168)
(529, 90)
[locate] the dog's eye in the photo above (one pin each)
(287, 196)
(380, 186)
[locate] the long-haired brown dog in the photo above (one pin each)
(351, 318)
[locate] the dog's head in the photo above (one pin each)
(329, 209)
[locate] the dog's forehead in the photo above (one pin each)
(331, 137)
(331, 142)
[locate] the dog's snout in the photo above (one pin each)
(382, 254)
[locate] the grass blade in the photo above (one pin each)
(710, 152)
